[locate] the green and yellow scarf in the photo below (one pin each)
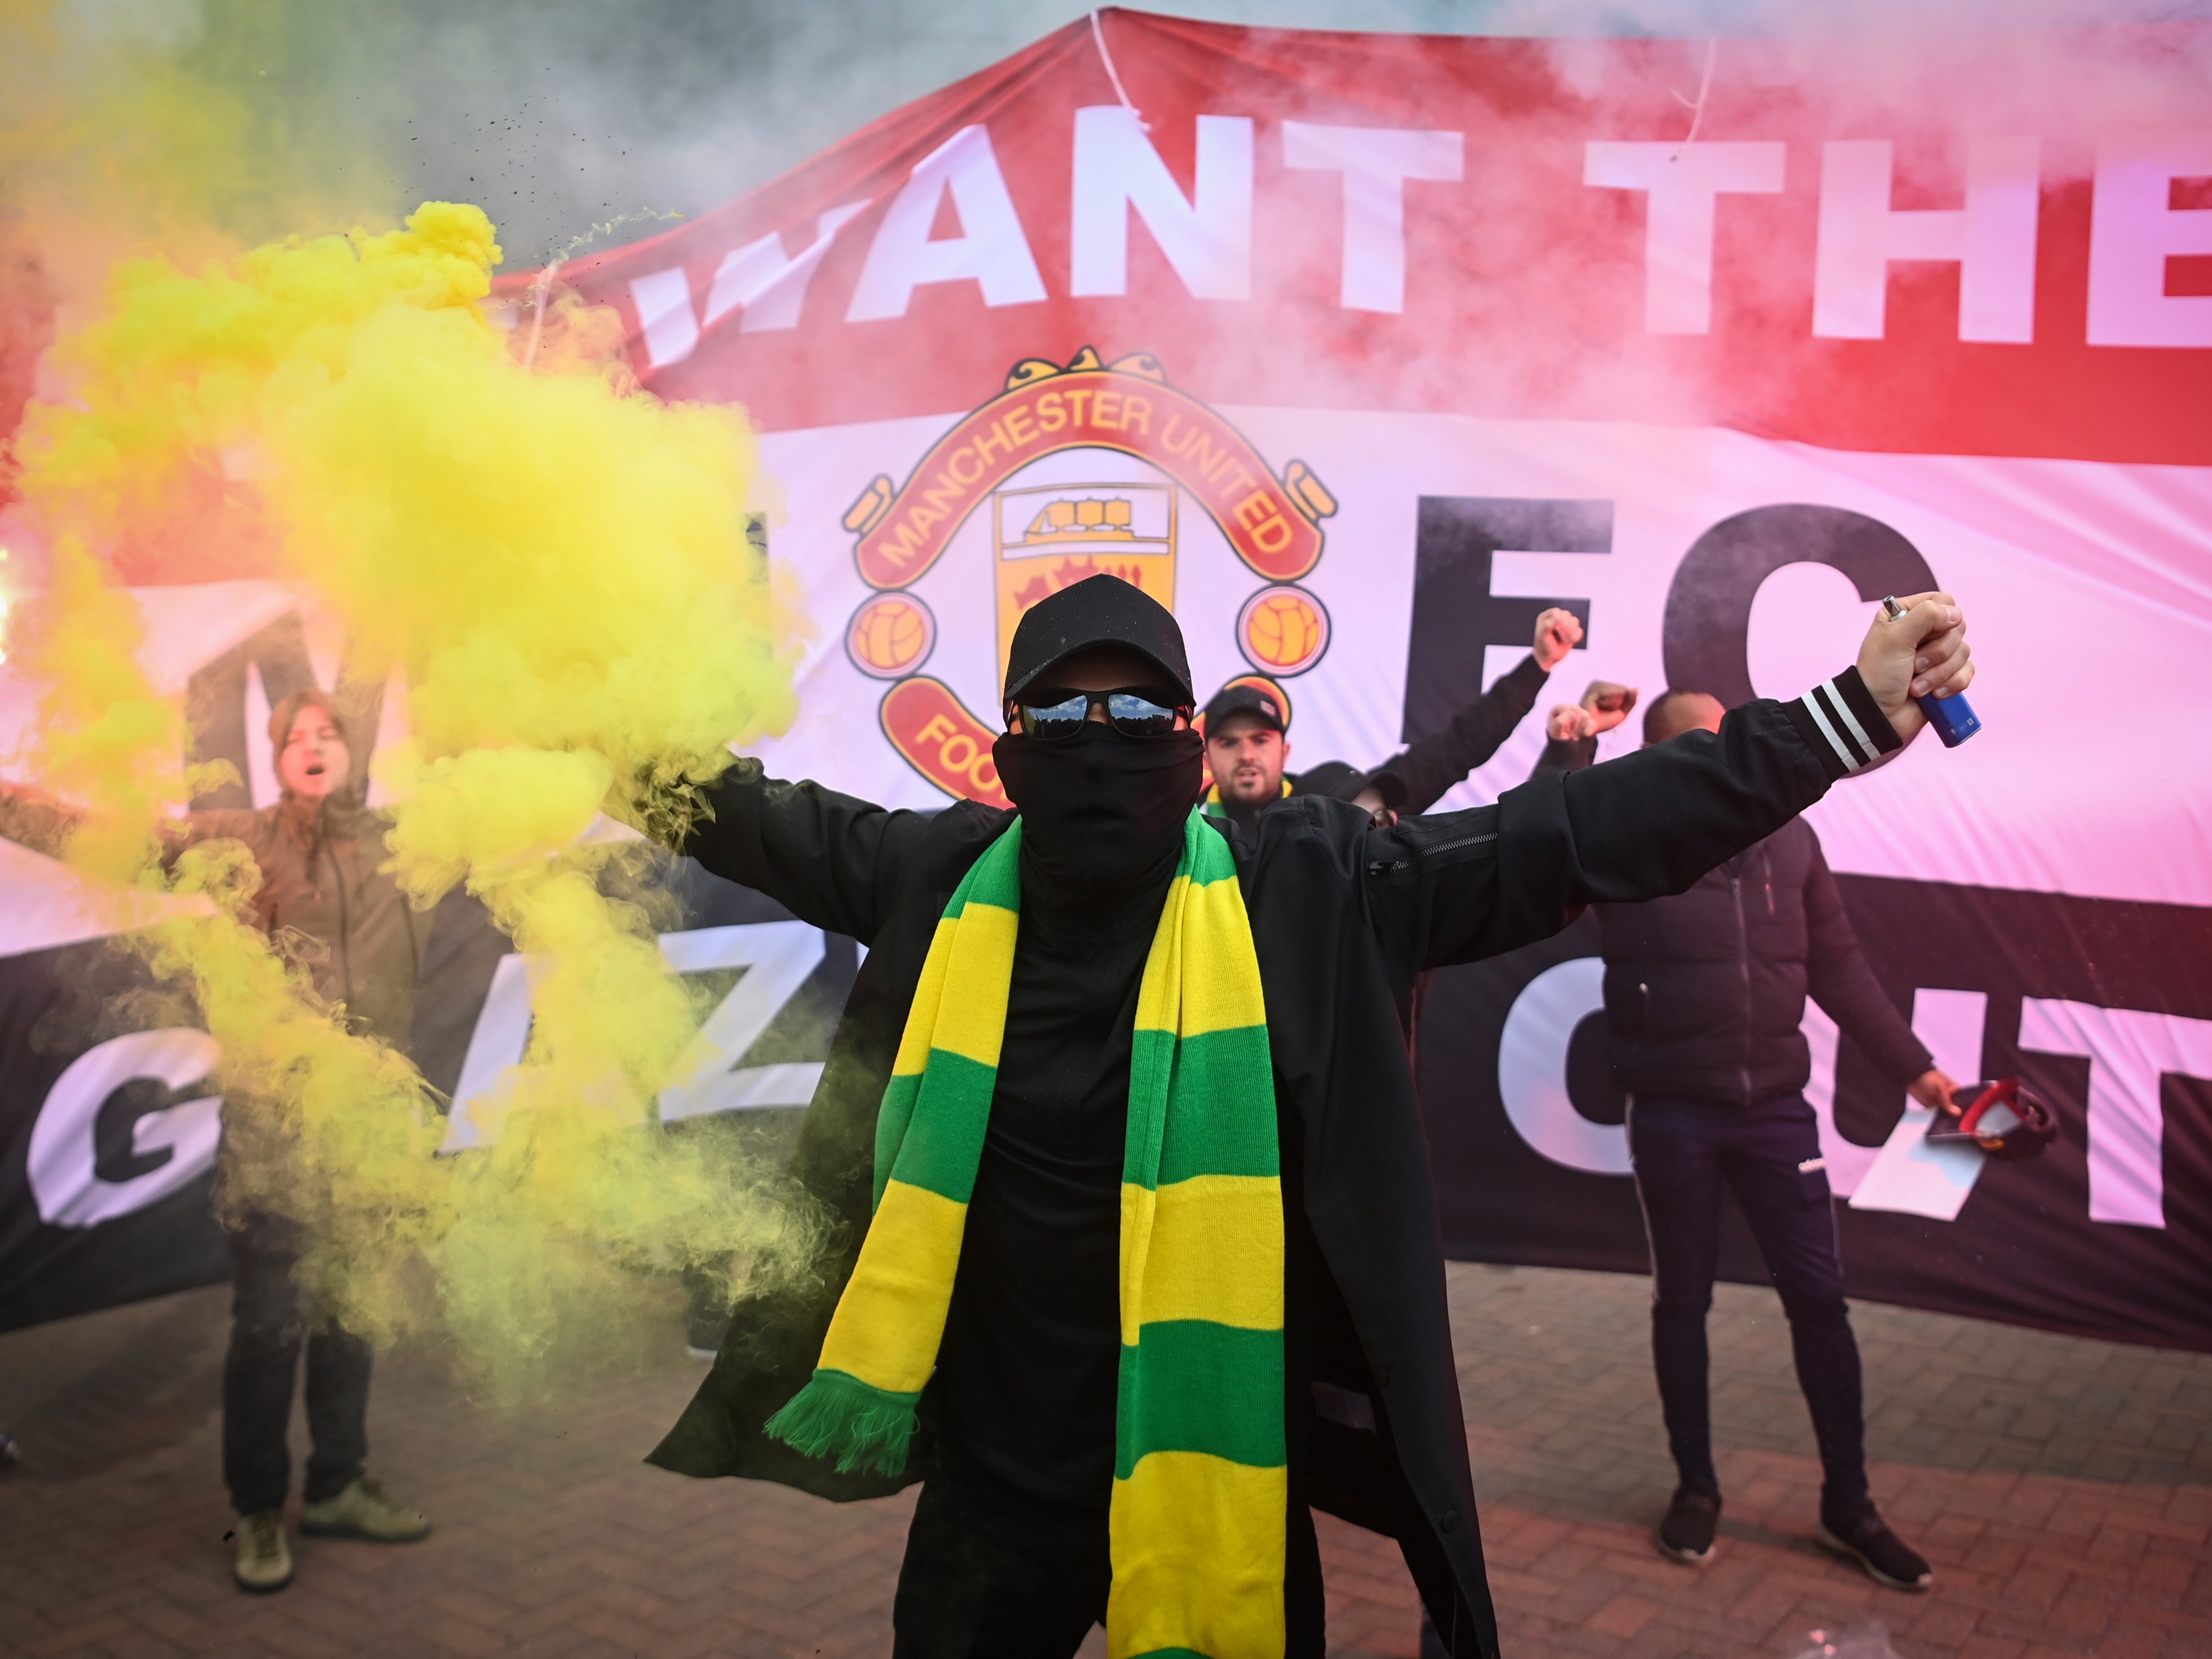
(1200, 1483)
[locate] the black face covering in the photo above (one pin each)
(1102, 813)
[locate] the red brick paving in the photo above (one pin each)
(2063, 1488)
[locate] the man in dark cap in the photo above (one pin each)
(1247, 727)
(1139, 1261)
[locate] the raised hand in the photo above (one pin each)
(1570, 722)
(1557, 632)
(1608, 704)
(1922, 652)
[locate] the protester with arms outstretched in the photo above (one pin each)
(1140, 1260)
(324, 898)
(321, 856)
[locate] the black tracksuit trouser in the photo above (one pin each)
(268, 1329)
(1768, 1154)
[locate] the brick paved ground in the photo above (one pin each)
(2063, 1489)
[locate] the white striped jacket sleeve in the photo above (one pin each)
(1844, 725)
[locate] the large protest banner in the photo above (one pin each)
(1358, 351)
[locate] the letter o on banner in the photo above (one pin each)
(62, 1166)
(1532, 1069)
(1703, 637)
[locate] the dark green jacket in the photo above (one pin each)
(325, 902)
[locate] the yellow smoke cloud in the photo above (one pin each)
(558, 563)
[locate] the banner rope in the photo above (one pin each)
(1098, 35)
(1696, 110)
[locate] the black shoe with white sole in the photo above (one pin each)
(1862, 1535)
(1685, 1535)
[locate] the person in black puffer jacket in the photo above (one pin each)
(1704, 992)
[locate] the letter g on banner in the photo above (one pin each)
(170, 1144)
(1706, 641)
(1532, 1069)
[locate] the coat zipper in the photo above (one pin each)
(1387, 866)
(1743, 966)
(346, 922)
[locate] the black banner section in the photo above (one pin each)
(2129, 984)
(1455, 613)
(2105, 1007)
(104, 1162)
(108, 1128)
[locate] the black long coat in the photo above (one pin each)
(1344, 915)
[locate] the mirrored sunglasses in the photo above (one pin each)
(1056, 714)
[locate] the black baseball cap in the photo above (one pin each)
(1250, 693)
(1099, 609)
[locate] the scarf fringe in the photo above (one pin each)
(865, 1427)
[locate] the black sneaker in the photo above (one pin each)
(1686, 1532)
(1865, 1537)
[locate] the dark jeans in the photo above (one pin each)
(268, 1329)
(990, 1574)
(1769, 1156)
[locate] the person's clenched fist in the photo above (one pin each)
(1557, 632)
(1608, 704)
(1923, 652)
(1569, 723)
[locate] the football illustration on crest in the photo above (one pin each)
(1282, 631)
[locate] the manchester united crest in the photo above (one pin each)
(1076, 471)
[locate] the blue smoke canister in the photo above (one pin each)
(1954, 718)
